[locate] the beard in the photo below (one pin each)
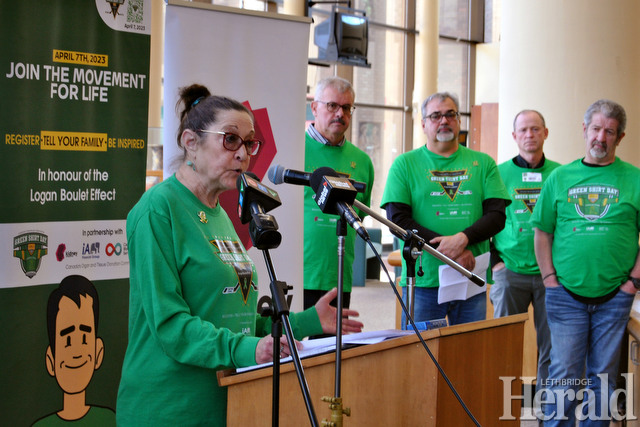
(597, 153)
(445, 136)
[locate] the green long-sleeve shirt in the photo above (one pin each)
(192, 310)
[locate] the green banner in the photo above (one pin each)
(73, 121)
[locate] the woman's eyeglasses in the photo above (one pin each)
(233, 142)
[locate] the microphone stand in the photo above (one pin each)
(414, 244)
(411, 251)
(264, 237)
(335, 403)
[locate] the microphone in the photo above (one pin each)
(278, 174)
(334, 195)
(254, 200)
(253, 197)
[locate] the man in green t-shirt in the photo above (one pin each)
(455, 200)
(326, 146)
(587, 222)
(517, 278)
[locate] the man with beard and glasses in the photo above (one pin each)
(327, 146)
(587, 222)
(454, 198)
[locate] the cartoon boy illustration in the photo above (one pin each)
(75, 351)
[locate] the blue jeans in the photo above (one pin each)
(511, 294)
(583, 334)
(426, 307)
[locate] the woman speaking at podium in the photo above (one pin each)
(193, 296)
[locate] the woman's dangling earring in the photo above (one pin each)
(190, 163)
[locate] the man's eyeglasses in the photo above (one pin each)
(437, 116)
(332, 107)
(233, 142)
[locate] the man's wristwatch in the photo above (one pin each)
(636, 282)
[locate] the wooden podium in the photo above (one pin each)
(395, 382)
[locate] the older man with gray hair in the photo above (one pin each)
(587, 223)
(327, 146)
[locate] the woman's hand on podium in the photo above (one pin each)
(327, 315)
(264, 349)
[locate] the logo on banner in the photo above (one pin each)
(593, 201)
(62, 252)
(135, 11)
(115, 5)
(91, 250)
(126, 15)
(116, 249)
(30, 247)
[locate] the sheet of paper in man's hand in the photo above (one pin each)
(454, 286)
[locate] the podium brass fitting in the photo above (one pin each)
(337, 411)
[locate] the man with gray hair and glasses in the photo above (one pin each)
(327, 146)
(454, 198)
(587, 223)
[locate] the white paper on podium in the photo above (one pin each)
(324, 345)
(454, 286)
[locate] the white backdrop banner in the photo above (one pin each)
(260, 59)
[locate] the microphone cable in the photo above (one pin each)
(422, 341)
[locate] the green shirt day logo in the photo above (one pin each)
(593, 201)
(528, 196)
(450, 182)
(30, 247)
(232, 252)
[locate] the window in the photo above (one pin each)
(453, 74)
(461, 26)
